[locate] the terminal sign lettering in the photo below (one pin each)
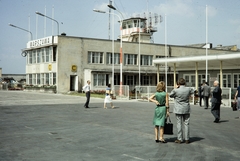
(40, 42)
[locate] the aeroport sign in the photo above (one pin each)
(40, 42)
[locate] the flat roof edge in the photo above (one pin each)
(225, 56)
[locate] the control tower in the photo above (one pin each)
(131, 28)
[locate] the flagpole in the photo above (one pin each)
(206, 77)
(166, 51)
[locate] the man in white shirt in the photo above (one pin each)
(87, 90)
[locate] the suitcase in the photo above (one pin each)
(168, 127)
(234, 106)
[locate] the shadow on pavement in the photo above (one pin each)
(223, 121)
(102, 107)
(192, 139)
(93, 107)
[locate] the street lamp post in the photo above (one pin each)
(49, 18)
(112, 7)
(21, 29)
(121, 55)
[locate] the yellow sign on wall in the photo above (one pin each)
(50, 67)
(74, 68)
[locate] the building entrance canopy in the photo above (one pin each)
(215, 62)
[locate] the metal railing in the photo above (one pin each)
(121, 91)
(226, 96)
(144, 92)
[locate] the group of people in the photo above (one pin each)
(108, 98)
(181, 95)
(182, 110)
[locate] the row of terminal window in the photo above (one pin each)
(41, 79)
(48, 54)
(129, 59)
(229, 80)
(42, 55)
(103, 79)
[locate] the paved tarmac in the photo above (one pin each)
(55, 127)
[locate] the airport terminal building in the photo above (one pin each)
(68, 62)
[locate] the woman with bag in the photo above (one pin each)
(108, 98)
(161, 110)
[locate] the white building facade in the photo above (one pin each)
(68, 62)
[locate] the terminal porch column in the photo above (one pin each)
(196, 76)
(174, 76)
(221, 75)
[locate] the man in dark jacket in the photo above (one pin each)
(206, 94)
(216, 101)
(200, 94)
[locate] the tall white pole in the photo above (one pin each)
(139, 55)
(109, 19)
(166, 51)
(206, 45)
(52, 21)
(121, 59)
(112, 51)
(45, 22)
(147, 16)
(36, 25)
(29, 27)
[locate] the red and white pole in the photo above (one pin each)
(121, 60)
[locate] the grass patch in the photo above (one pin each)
(92, 95)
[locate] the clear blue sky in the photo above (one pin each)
(185, 22)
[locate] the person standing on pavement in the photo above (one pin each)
(216, 101)
(237, 98)
(87, 90)
(200, 94)
(181, 109)
(108, 98)
(206, 94)
(161, 111)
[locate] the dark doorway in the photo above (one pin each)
(73, 83)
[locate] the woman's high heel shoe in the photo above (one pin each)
(157, 141)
